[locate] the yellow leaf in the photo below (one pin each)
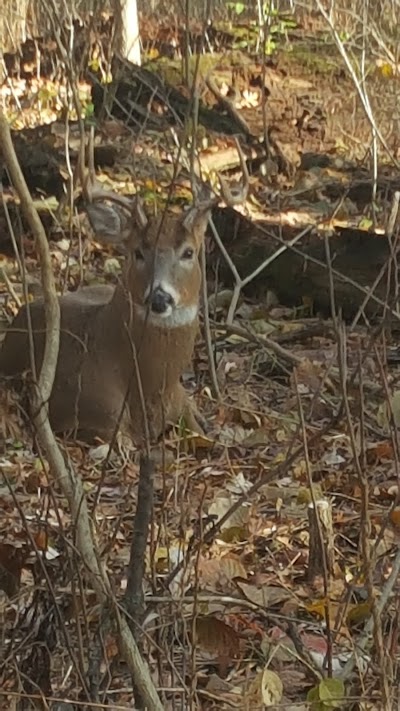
(152, 53)
(359, 613)
(271, 688)
(318, 607)
(386, 69)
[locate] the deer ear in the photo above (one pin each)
(196, 221)
(109, 222)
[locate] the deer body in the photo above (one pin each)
(152, 313)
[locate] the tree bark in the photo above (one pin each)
(127, 22)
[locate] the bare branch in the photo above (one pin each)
(52, 308)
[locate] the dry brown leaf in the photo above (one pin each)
(379, 451)
(308, 376)
(41, 539)
(264, 595)
(221, 505)
(219, 640)
(293, 680)
(216, 685)
(11, 423)
(12, 559)
(218, 574)
(257, 438)
(231, 568)
(395, 517)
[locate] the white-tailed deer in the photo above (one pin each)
(127, 345)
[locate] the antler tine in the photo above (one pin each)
(91, 188)
(87, 175)
(228, 193)
(203, 195)
(99, 193)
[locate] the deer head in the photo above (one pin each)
(162, 271)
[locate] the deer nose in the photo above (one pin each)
(160, 301)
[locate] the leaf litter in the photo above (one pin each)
(257, 625)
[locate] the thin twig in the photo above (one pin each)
(207, 329)
(61, 468)
(365, 639)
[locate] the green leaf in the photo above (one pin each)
(270, 46)
(365, 223)
(237, 7)
(332, 691)
(327, 695)
(94, 64)
(313, 695)
(89, 110)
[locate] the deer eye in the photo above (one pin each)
(139, 255)
(188, 253)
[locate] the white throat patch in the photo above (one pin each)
(172, 318)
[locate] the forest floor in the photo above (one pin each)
(248, 623)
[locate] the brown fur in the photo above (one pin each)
(101, 327)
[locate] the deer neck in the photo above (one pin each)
(163, 349)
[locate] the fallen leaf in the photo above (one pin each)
(264, 596)
(219, 573)
(218, 640)
(271, 688)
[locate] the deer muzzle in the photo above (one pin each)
(161, 301)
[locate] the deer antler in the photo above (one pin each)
(231, 195)
(92, 191)
(237, 195)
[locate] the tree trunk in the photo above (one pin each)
(127, 19)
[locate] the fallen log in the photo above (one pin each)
(362, 264)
